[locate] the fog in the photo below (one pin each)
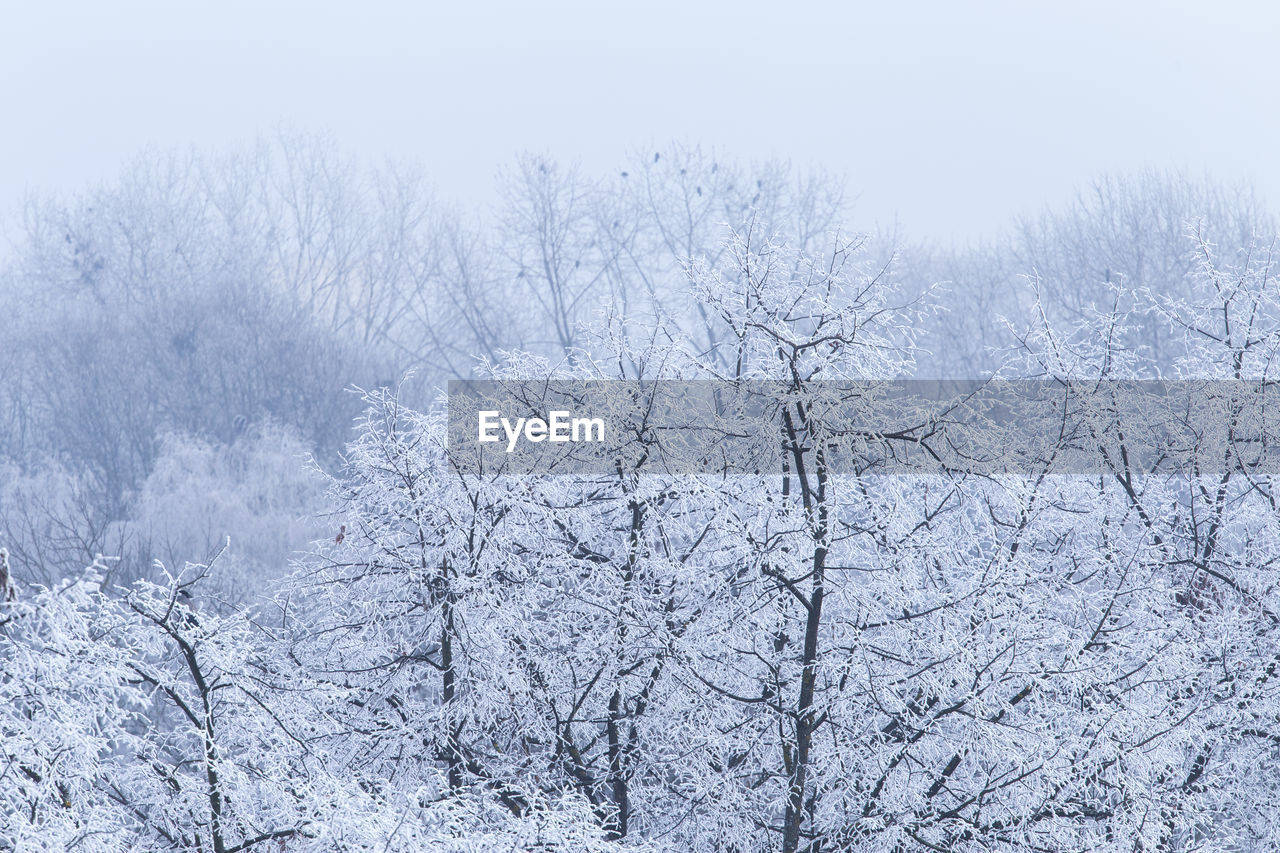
(947, 118)
(731, 428)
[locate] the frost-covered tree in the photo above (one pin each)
(832, 639)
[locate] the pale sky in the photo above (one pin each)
(949, 117)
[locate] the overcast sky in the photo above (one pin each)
(948, 117)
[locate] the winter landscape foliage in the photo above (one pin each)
(393, 652)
